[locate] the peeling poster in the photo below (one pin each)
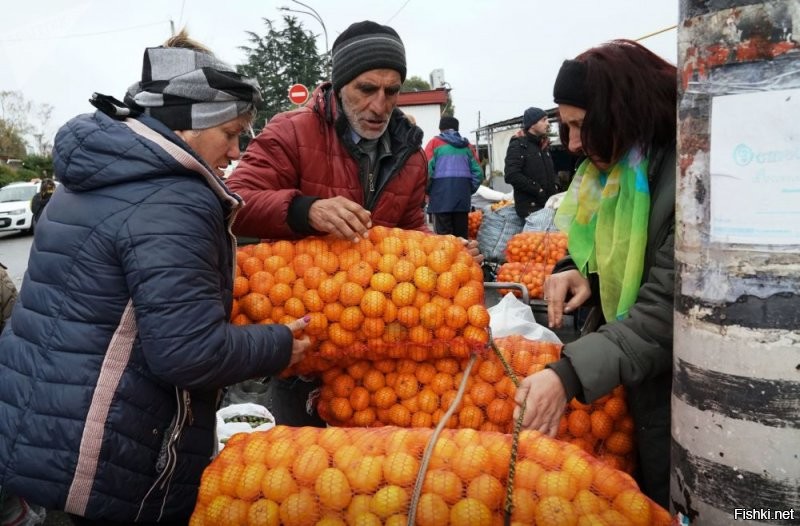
(755, 168)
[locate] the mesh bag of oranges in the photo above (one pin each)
(396, 293)
(474, 223)
(603, 428)
(530, 258)
(407, 393)
(394, 476)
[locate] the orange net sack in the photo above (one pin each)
(603, 429)
(397, 293)
(474, 223)
(530, 258)
(406, 393)
(357, 476)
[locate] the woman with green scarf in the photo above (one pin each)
(617, 106)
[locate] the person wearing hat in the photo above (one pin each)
(112, 361)
(617, 106)
(528, 165)
(346, 161)
(349, 159)
(454, 174)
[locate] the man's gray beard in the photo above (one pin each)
(356, 128)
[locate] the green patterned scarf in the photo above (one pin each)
(605, 215)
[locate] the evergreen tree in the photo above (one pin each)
(415, 83)
(278, 59)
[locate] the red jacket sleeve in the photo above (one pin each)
(268, 179)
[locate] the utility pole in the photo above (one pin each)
(736, 384)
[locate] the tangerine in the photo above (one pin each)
(333, 489)
(299, 509)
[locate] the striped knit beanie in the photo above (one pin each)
(188, 89)
(364, 46)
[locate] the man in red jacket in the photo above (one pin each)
(347, 160)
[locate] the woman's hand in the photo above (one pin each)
(299, 345)
(545, 400)
(556, 289)
(472, 248)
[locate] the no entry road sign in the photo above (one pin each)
(298, 93)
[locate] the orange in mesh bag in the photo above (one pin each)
(398, 293)
(355, 476)
(530, 258)
(474, 223)
(406, 393)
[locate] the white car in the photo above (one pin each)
(15, 206)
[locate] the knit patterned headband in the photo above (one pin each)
(191, 90)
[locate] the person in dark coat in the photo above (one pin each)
(112, 362)
(529, 166)
(42, 197)
(617, 106)
(454, 174)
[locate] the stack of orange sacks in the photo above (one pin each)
(394, 294)
(359, 476)
(405, 393)
(530, 258)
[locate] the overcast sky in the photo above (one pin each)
(499, 57)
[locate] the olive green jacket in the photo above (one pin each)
(637, 351)
(8, 296)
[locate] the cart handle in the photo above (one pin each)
(509, 285)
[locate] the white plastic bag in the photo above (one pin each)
(511, 316)
(260, 420)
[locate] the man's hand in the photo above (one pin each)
(473, 250)
(557, 287)
(299, 345)
(341, 217)
(545, 400)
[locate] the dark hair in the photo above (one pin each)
(631, 97)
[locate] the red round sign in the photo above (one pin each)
(298, 93)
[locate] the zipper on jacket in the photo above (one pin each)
(371, 179)
(168, 456)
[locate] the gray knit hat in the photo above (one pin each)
(364, 46)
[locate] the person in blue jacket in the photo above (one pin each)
(454, 174)
(112, 362)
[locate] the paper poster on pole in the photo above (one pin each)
(755, 168)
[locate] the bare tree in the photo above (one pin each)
(27, 121)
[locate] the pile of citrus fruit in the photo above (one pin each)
(407, 393)
(358, 476)
(501, 204)
(604, 428)
(397, 293)
(530, 258)
(474, 223)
